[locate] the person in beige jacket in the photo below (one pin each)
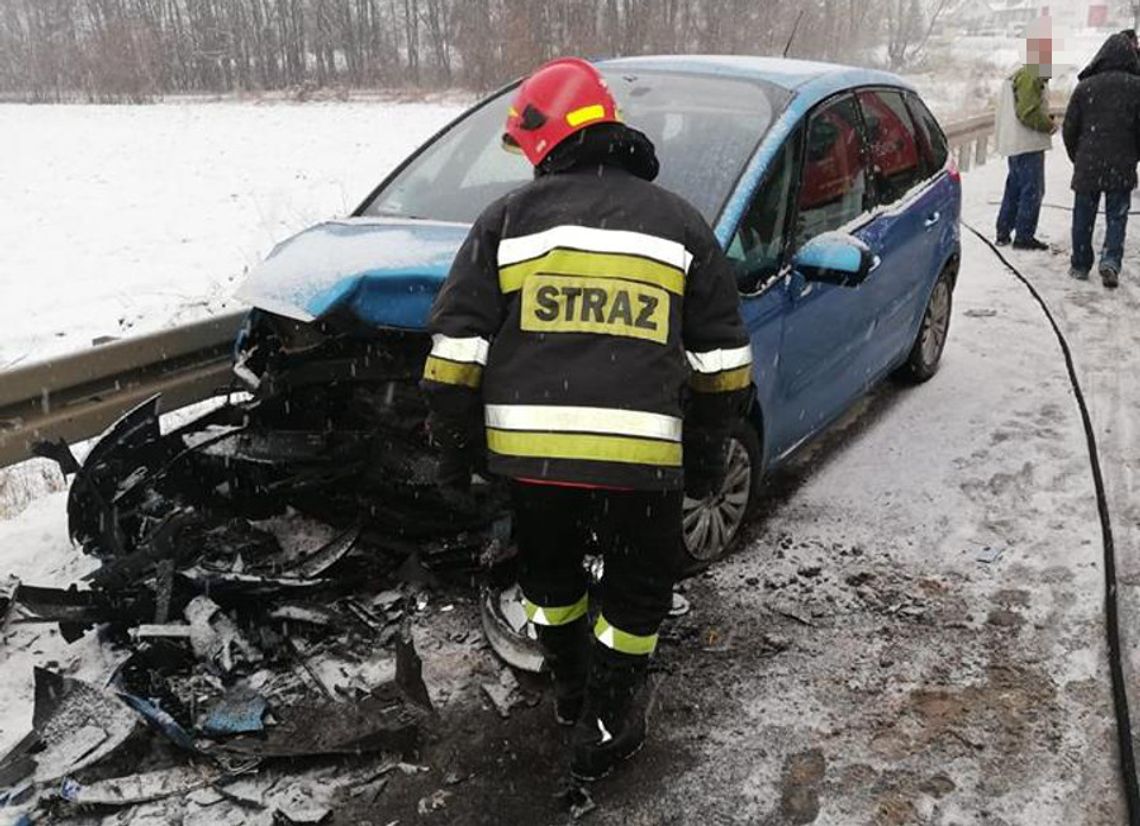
(1025, 130)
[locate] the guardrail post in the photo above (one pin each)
(964, 157)
(982, 150)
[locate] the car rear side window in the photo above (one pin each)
(893, 141)
(934, 143)
(833, 184)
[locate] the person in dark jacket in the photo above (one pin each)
(1102, 137)
(581, 311)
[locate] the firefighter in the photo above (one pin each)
(583, 314)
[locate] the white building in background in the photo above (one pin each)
(1010, 17)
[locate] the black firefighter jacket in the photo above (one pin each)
(579, 314)
(1102, 123)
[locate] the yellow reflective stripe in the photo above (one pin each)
(589, 447)
(586, 114)
(450, 372)
(736, 379)
(596, 264)
(556, 615)
(623, 641)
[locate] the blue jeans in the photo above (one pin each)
(1024, 191)
(1116, 205)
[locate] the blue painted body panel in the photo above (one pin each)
(817, 346)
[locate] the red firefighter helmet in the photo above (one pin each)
(559, 99)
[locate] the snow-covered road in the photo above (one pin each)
(869, 657)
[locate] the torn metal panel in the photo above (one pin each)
(215, 638)
(75, 725)
(240, 711)
(138, 788)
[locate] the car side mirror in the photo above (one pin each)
(835, 258)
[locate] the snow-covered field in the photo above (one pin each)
(124, 219)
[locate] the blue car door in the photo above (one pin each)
(904, 232)
(823, 349)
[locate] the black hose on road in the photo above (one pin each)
(1112, 620)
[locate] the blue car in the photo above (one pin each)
(831, 189)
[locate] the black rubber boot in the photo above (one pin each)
(566, 649)
(613, 725)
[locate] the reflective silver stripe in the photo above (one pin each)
(526, 247)
(471, 350)
(717, 361)
(603, 420)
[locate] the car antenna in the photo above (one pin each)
(795, 28)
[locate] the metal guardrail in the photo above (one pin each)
(970, 137)
(77, 396)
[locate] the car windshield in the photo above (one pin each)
(705, 129)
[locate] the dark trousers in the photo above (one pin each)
(638, 533)
(1024, 191)
(1085, 205)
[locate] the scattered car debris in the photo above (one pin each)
(434, 802)
(240, 711)
(74, 724)
(577, 800)
(504, 694)
(989, 555)
(138, 788)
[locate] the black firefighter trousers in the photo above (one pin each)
(639, 536)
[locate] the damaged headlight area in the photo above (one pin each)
(260, 565)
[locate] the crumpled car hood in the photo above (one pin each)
(383, 271)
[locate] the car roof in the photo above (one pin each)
(813, 79)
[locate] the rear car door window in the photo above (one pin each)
(833, 185)
(757, 249)
(933, 139)
(893, 143)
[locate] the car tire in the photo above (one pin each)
(926, 353)
(711, 525)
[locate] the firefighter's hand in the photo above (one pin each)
(706, 460)
(453, 439)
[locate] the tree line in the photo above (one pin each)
(137, 50)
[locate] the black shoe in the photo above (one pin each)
(1030, 244)
(1002, 241)
(1109, 277)
(566, 649)
(612, 726)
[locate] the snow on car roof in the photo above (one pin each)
(784, 72)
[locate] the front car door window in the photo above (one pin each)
(757, 249)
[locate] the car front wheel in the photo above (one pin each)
(711, 524)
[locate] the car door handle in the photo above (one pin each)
(934, 218)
